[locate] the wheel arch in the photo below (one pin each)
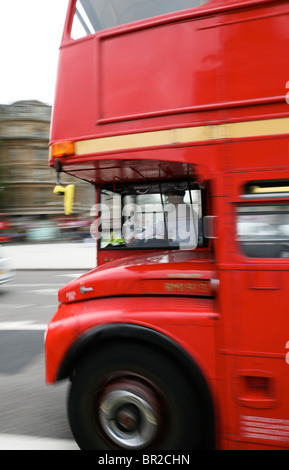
(95, 337)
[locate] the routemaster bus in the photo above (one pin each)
(177, 112)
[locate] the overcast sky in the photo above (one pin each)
(30, 34)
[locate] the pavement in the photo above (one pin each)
(54, 255)
(15, 442)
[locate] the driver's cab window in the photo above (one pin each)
(140, 216)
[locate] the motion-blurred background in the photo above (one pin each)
(29, 211)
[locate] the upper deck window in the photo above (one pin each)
(95, 15)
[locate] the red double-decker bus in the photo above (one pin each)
(176, 111)
(5, 228)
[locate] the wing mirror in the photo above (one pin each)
(68, 193)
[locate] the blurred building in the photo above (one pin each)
(26, 181)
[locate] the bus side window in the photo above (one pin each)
(263, 230)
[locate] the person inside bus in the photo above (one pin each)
(178, 227)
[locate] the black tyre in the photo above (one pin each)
(129, 396)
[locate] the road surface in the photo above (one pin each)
(32, 414)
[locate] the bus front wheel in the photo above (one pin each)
(129, 397)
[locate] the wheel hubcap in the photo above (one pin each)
(129, 415)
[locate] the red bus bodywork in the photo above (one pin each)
(198, 94)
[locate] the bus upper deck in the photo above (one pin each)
(119, 98)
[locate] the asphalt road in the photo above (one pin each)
(32, 414)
